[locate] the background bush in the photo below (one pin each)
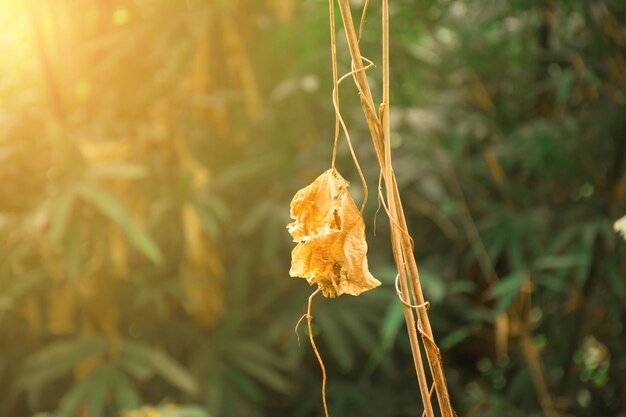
(148, 153)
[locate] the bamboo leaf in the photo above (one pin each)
(124, 393)
(112, 208)
(97, 387)
(391, 325)
(57, 359)
(70, 402)
(560, 261)
(358, 330)
(59, 216)
(564, 87)
(209, 223)
(455, 337)
(506, 290)
(246, 384)
(119, 171)
(259, 353)
(138, 369)
(337, 341)
(264, 373)
(164, 366)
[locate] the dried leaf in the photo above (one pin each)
(330, 232)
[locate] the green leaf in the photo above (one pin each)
(506, 290)
(259, 353)
(388, 330)
(497, 242)
(358, 330)
(137, 369)
(170, 370)
(248, 386)
(186, 411)
(124, 393)
(515, 252)
(462, 287)
(72, 399)
(337, 341)
(218, 206)
(119, 171)
(209, 223)
(256, 217)
(264, 373)
(97, 389)
(392, 323)
(455, 337)
(60, 214)
(57, 359)
(242, 172)
(434, 286)
(519, 384)
(564, 87)
(74, 254)
(560, 262)
(112, 208)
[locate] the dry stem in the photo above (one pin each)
(401, 241)
(309, 318)
(333, 55)
(338, 118)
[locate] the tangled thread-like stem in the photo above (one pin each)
(309, 319)
(338, 119)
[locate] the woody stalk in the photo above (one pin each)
(416, 315)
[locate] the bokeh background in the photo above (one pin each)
(148, 153)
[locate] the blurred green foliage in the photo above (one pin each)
(148, 153)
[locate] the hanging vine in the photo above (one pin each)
(330, 231)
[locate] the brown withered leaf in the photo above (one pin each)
(330, 232)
